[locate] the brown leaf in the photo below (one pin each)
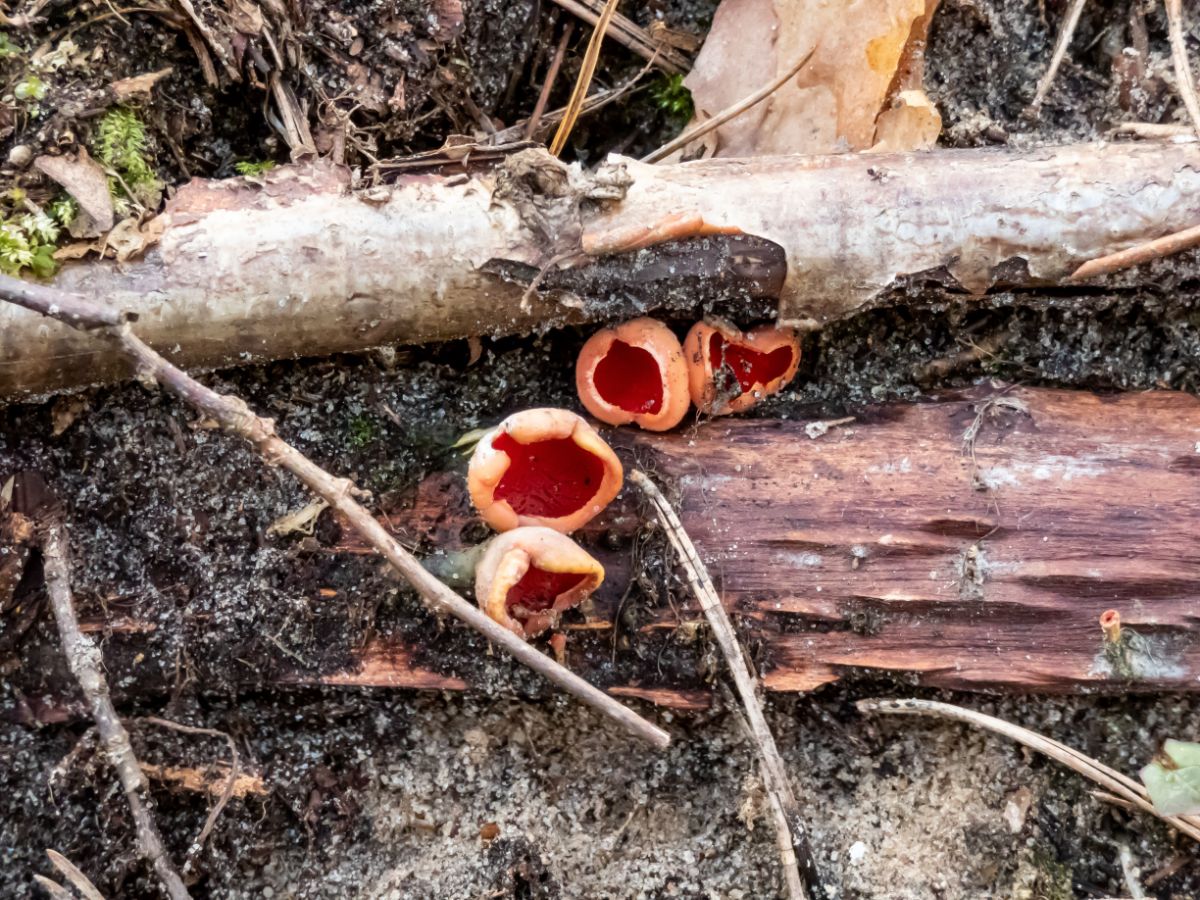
(866, 52)
(129, 238)
(85, 181)
(138, 84)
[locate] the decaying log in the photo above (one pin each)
(301, 265)
(970, 542)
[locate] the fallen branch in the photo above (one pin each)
(1111, 780)
(300, 265)
(86, 664)
(234, 416)
(796, 856)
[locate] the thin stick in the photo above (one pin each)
(548, 85)
(590, 57)
(226, 794)
(232, 414)
(1183, 70)
(85, 663)
(1060, 51)
(628, 33)
(728, 113)
(1112, 781)
(799, 866)
(1155, 131)
(1135, 256)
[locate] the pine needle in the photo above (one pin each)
(584, 81)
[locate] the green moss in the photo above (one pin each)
(251, 168)
(121, 143)
(672, 97)
(364, 430)
(27, 242)
(1054, 880)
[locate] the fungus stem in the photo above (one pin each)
(456, 568)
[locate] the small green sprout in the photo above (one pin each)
(30, 89)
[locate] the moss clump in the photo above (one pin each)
(27, 238)
(121, 143)
(251, 168)
(364, 431)
(672, 97)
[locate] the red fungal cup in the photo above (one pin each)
(543, 467)
(729, 371)
(635, 373)
(529, 576)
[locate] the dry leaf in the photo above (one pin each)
(138, 84)
(76, 250)
(85, 181)
(130, 238)
(867, 52)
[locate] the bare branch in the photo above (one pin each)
(235, 417)
(85, 663)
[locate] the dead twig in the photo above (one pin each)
(226, 793)
(1153, 131)
(590, 57)
(85, 663)
(1183, 69)
(1060, 51)
(1135, 256)
(1111, 780)
(548, 85)
(232, 414)
(630, 35)
(728, 113)
(799, 865)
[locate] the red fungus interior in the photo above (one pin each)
(551, 478)
(747, 365)
(537, 590)
(628, 377)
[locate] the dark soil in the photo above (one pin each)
(392, 794)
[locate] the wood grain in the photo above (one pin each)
(895, 545)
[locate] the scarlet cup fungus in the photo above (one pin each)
(542, 467)
(634, 373)
(728, 371)
(528, 576)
